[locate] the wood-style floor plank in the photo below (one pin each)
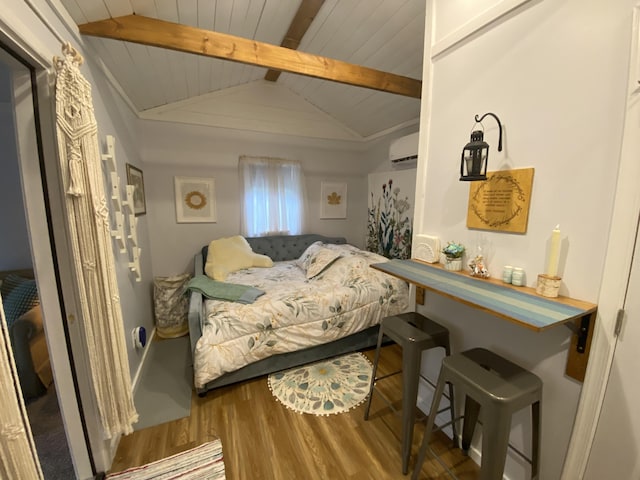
(262, 439)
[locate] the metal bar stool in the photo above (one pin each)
(494, 389)
(414, 333)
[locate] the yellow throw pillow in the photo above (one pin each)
(230, 254)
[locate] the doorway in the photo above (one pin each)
(616, 446)
(610, 383)
(27, 93)
(38, 385)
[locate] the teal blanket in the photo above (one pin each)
(231, 292)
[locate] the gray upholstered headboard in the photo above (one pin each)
(288, 247)
(284, 247)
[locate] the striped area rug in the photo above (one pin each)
(199, 463)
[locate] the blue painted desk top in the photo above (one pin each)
(518, 304)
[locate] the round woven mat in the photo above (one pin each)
(324, 388)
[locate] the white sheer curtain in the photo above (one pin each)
(272, 196)
(18, 456)
(90, 238)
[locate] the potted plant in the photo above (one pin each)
(453, 255)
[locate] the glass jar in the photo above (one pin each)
(507, 273)
(517, 277)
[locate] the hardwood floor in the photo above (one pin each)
(262, 439)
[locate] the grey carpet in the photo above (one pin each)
(164, 390)
(48, 434)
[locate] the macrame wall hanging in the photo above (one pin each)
(87, 219)
(18, 457)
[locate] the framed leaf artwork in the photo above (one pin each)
(333, 200)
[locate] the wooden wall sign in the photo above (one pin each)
(501, 202)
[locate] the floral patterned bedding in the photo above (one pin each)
(296, 312)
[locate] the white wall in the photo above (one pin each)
(170, 150)
(555, 73)
(115, 118)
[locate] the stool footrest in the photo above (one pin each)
(446, 424)
(510, 445)
(442, 464)
(387, 401)
(387, 375)
(442, 410)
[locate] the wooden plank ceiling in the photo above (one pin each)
(376, 43)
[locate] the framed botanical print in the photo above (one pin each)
(195, 200)
(136, 179)
(333, 200)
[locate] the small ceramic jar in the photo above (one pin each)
(517, 277)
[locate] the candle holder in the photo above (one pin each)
(548, 285)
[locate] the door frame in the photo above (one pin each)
(33, 102)
(615, 278)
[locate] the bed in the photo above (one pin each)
(26, 331)
(313, 307)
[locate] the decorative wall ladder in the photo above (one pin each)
(124, 233)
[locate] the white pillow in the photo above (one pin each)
(230, 254)
(316, 259)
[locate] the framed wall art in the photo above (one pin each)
(333, 200)
(136, 179)
(501, 202)
(195, 200)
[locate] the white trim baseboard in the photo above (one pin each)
(136, 378)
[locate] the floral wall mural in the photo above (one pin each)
(390, 213)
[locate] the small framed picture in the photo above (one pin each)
(333, 200)
(135, 178)
(195, 200)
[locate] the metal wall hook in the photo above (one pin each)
(479, 119)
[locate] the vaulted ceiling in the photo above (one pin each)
(385, 36)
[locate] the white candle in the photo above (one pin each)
(554, 253)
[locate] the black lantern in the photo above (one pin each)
(475, 154)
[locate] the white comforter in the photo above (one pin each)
(295, 312)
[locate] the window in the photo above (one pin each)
(272, 196)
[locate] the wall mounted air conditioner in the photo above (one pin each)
(403, 152)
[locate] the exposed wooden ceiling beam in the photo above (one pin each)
(303, 18)
(183, 38)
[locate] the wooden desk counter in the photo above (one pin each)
(520, 305)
